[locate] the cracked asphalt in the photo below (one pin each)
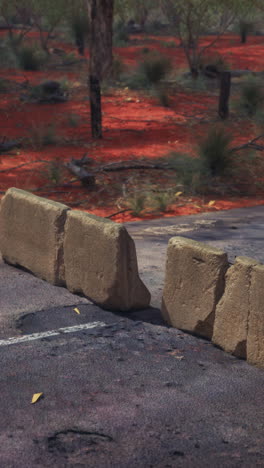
(132, 392)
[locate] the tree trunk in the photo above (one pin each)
(243, 37)
(80, 44)
(225, 85)
(96, 108)
(101, 20)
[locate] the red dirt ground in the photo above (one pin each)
(135, 126)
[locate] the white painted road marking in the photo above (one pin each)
(59, 331)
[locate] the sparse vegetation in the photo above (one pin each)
(151, 70)
(251, 100)
(30, 57)
(136, 203)
(215, 152)
(42, 135)
(191, 175)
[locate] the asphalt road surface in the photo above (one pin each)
(126, 390)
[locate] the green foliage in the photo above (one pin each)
(136, 203)
(80, 29)
(210, 62)
(245, 27)
(39, 93)
(137, 80)
(69, 58)
(155, 67)
(7, 56)
(162, 95)
(4, 85)
(190, 172)
(74, 120)
(31, 58)
(215, 152)
(118, 68)
(161, 200)
(168, 44)
(251, 100)
(152, 68)
(120, 35)
(41, 135)
(54, 172)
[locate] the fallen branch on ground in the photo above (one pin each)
(118, 212)
(250, 145)
(85, 177)
(8, 145)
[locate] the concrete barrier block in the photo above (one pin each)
(255, 338)
(31, 234)
(194, 283)
(232, 312)
(100, 262)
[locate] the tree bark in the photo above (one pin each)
(225, 85)
(101, 20)
(96, 107)
(86, 178)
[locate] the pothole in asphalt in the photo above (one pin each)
(54, 318)
(76, 442)
(179, 228)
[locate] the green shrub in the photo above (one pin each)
(4, 85)
(145, 50)
(162, 200)
(8, 58)
(41, 135)
(118, 68)
(152, 68)
(162, 95)
(211, 64)
(69, 58)
(39, 93)
(155, 67)
(215, 153)
(136, 80)
(136, 203)
(168, 44)
(120, 35)
(31, 58)
(80, 30)
(245, 28)
(251, 99)
(74, 120)
(190, 172)
(54, 172)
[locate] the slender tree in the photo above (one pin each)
(101, 22)
(192, 18)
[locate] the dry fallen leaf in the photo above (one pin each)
(178, 194)
(77, 310)
(36, 397)
(211, 203)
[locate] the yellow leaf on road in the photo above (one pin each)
(36, 397)
(77, 310)
(211, 203)
(178, 194)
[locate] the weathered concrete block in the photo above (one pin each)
(255, 338)
(232, 312)
(100, 262)
(194, 283)
(31, 234)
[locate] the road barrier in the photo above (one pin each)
(94, 256)
(86, 253)
(206, 296)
